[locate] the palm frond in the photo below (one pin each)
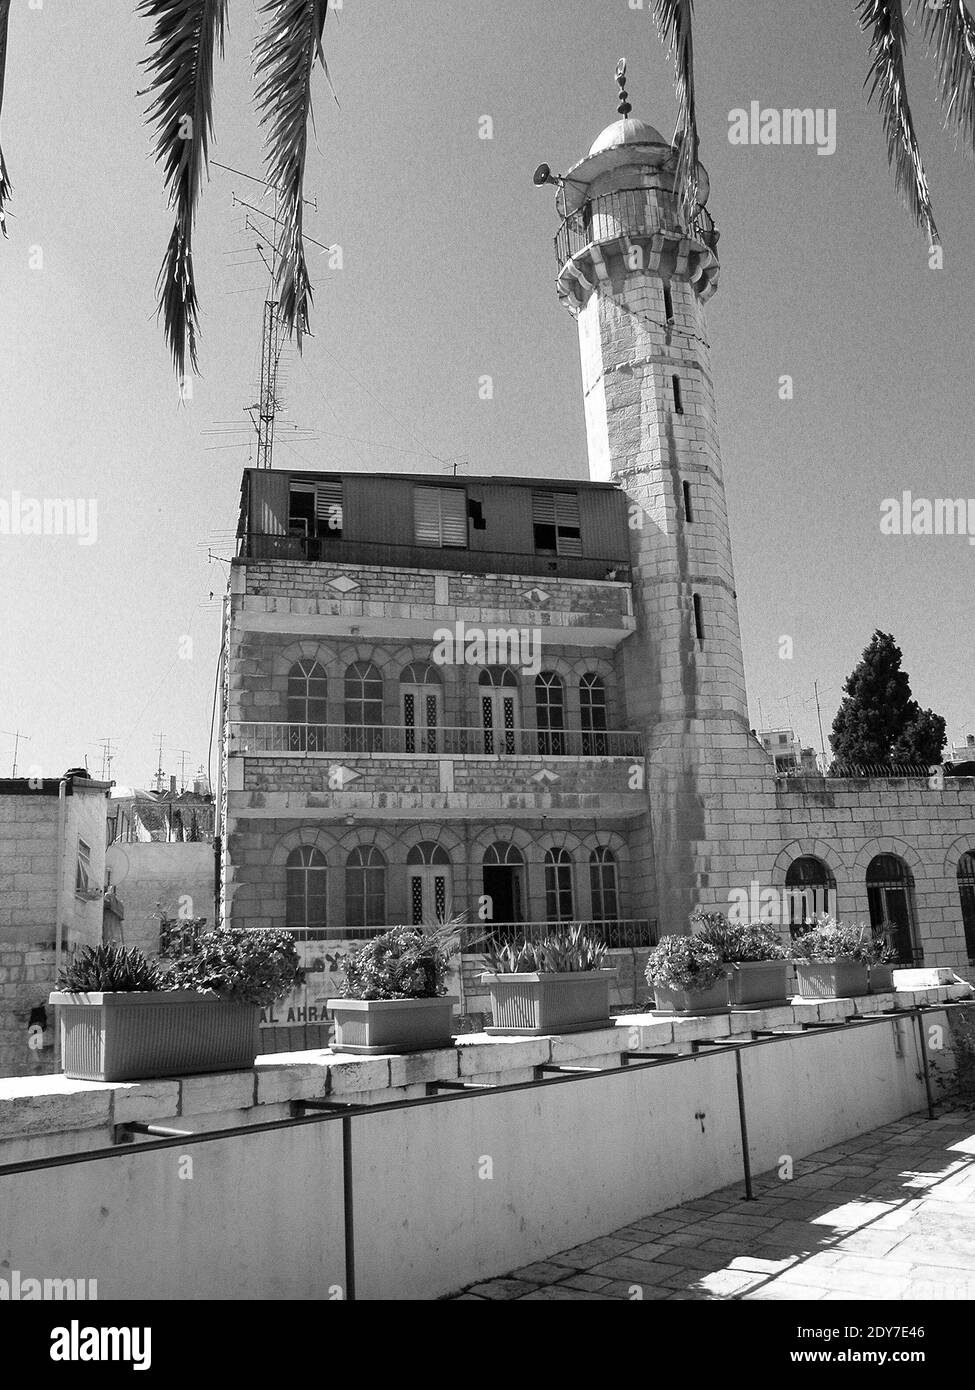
(4, 179)
(950, 33)
(884, 21)
(674, 20)
(284, 60)
(182, 46)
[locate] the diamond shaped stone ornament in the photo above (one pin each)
(343, 584)
(545, 777)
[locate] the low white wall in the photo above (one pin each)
(445, 1194)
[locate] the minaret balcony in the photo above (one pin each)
(611, 226)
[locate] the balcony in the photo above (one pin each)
(621, 214)
(286, 740)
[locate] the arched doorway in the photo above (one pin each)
(429, 888)
(504, 882)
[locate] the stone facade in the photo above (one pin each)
(36, 875)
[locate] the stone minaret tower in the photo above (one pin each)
(637, 276)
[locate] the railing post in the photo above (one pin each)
(347, 1197)
(743, 1122)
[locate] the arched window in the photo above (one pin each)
(810, 890)
(604, 885)
(363, 708)
(306, 874)
(558, 885)
(307, 706)
(428, 853)
(550, 714)
(365, 888)
(499, 709)
(592, 711)
(890, 893)
(966, 891)
(421, 704)
(428, 875)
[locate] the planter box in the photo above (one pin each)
(134, 1037)
(693, 1001)
(757, 984)
(537, 1003)
(882, 978)
(831, 979)
(377, 1027)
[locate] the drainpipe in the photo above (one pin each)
(59, 909)
(221, 749)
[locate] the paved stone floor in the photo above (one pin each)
(888, 1215)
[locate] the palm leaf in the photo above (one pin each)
(4, 179)
(674, 20)
(284, 59)
(884, 21)
(950, 32)
(182, 46)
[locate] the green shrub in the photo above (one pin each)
(830, 940)
(737, 942)
(685, 963)
(559, 953)
(240, 965)
(403, 963)
(110, 969)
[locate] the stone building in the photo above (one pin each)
(52, 878)
(525, 698)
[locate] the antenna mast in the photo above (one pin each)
(267, 407)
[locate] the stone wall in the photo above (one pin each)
(156, 880)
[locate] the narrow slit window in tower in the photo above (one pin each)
(688, 505)
(699, 617)
(678, 398)
(668, 304)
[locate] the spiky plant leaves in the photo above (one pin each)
(182, 46)
(284, 61)
(883, 21)
(674, 20)
(4, 179)
(950, 34)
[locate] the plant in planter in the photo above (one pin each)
(556, 985)
(832, 959)
(884, 962)
(754, 959)
(123, 1019)
(688, 976)
(395, 993)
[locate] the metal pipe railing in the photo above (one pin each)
(256, 739)
(346, 1114)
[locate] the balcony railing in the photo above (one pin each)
(617, 933)
(327, 549)
(283, 740)
(625, 213)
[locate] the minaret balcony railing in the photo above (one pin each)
(287, 740)
(627, 213)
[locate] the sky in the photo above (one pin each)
(447, 275)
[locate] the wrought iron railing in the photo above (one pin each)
(625, 213)
(617, 933)
(328, 550)
(257, 739)
(860, 771)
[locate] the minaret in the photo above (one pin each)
(637, 275)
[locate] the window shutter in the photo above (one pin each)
(426, 515)
(543, 508)
(328, 495)
(453, 503)
(440, 516)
